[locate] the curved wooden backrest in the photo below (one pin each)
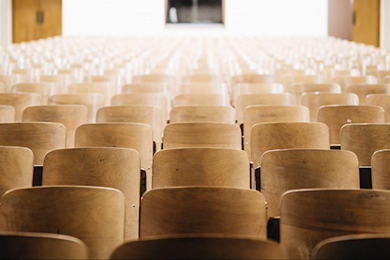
(202, 88)
(92, 101)
(201, 100)
(19, 101)
(312, 215)
(201, 167)
(316, 100)
(386, 80)
(60, 80)
(202, 78)
(271, 136)
(71, 116)
(345, 81)
(298, 89)
(201, 210)
(258, 88)
(382, 100)
(39, 137)
(125, 135)
(117, 168)
(252, 78)
(205, 135)
(200, 247)
(169, 79)
(28, 245)
(335, 116)
(145, 88)
(379, 74)
(290, 79)
(7, 114)
(363, 246)
(380, 170)
(217, 114)
(289, 169)
(95, 215)
(16, 168)
(45, 90)
(246, 100)
(2, 87)
(105, 89)
(269, 114)
(145, 99)
(364, 140)
(362, 90)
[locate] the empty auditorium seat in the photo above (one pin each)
(19, 101)
(7, 114)
(363, 90)
(298, 89)
(201, 100)
(217, 114)
(45, 90)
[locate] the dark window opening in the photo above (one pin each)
(195, 11)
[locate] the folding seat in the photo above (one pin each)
(117, 168)
(105, 89)
(311, 215)
(150, 115)
(285, 135)
(96, 215)
(28, 245)
(217, 114)
(362, 246)
(316, 100)
(201, 167)
(362, 90)
(39, 137)
(243, 101)
(203, 210)
(271, 113)
(259, 88)
(364, 140)
(298, 89)
(382, 100)
(200, 247)
(335, 116)
(290, 169)
(7, 114)
(202, 134)
(19, 101)
(92, 101)
(345, 81)
(201, 100)
(71, 116)
(45, 90)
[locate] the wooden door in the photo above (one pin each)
(366, 24)
(36, 19)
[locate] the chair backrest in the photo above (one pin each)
(382, 100)
(92, 101)
(271, 136)
(316, 100)
(345, 81)
(146, 88)
(200, 247)
(204, 135)
(161, 78)
(7, 114)
(363, 90)
(298, 89)
(201, 88)
(362, 246)
(201, 100)
(386, 80)
(71, 116)
(19, 101)
(269, 114)
(290, 169)
(290, 79)
(335, 116)
(312, 215)
(252, 78)
(380, 170)
(217, 114)
(39, 137)
(45, 90)
(96, 215)
(201, 210)
(16, 168)
(117, 168)
(201, 167)
(202, 78)
(243, 101)
(28, 245)
(105, 89)
(258, 88)
(364, 140)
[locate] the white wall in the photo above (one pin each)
(385, 25)
(5, 22)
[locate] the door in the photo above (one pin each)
(366, 22)
(36, 19)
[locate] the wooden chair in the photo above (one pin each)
(382, 100)
(363, 90)
(364, 140)
(16, 168)
(71, 116)
(161, 88)
(202, 210)
(154, 78)
(45, 90)
(201, 88)
(105, 89)
(201, 100)
(312, 215)
(252, 78)
(269, 114)
(271, 136)
(10, 80)
(117, 168)
(316, 100)
(2, 87)
(150, 115)
(363, 246)
(202, 78)
(290, 169)
(92, 101)
(335, 116)
(200, 247)
(7, 114)
(39, 137)
(259, 88)
(28, 245)
(289, 80)
(96, 215)
(298, 89)
(217, 114)
(345, 81)
(201, 167)
(19, 101)
(61, 81)
(380, 170)
(386, 80)
(202, 135)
